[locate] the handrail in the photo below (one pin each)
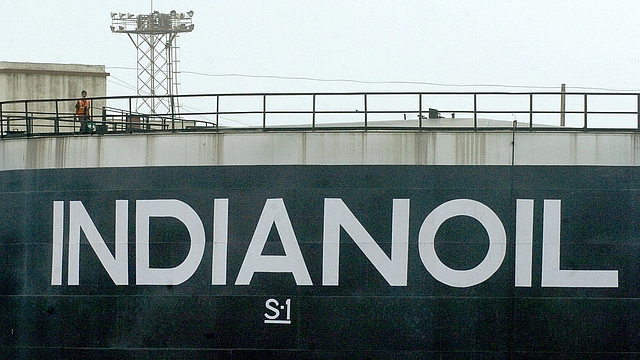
(332, 110)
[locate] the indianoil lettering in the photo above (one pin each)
(337, 216)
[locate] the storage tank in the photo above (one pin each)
(377, 240)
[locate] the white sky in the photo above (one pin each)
(542, 43)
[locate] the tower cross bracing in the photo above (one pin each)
(155, 37)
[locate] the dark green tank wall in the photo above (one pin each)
(363, 316)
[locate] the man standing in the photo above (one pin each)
(83, 110)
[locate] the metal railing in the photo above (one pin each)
(407, 111)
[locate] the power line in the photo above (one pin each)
(370, 82)
(389, 82)
(219, 116)
(121, 82)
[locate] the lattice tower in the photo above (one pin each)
(155, 37)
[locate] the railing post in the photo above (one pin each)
(585, 112)
(217, 111)
(56, 122)
(30, 125)
(530, 111)
(173, 115)
(128, 118)
(26, 118)
(264, 111)
(637, 111)
(513, 142)
(2, 123)
(313, 112)
(420, 111)
(365, 111)
(475, 111)
(104, 118)
(563, 105)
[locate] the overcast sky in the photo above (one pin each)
(394, 45)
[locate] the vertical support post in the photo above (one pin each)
(104, 117)
(530, 111)
(637, 111)
(585, 112)
(475, 111)
(27, 123)
(264, 111)
(420, 111)
(127, 118)
(217, 112)
(562, 105)
(92, 117)
(513, 143)
(173, 114)
(365, 111)
(313, 112)
(2, 122)
(56, 121)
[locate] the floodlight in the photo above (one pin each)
(173, 13)
(190, 13)
(113, 15)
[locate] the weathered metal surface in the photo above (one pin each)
(323, 148)
(256, 299)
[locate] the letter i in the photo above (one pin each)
(524, 242)
(58, 234)
(220, 231)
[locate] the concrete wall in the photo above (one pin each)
(323, 148)
(20, 81)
